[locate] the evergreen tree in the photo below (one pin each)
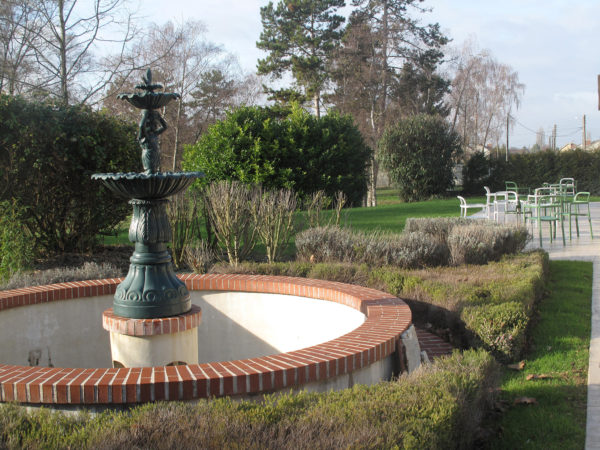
(300, 37)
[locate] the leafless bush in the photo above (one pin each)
(315, 205)
(199, 257)
(338, 204)
(184, 216)
(88, 271)
(228, 209)
(273, 218)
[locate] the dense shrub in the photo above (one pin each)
(88, 271)
(476, 173)
(437, 227)
(330, 244)
(439, 406)
(532, 170)
(418, 154)
(16, 244)
(293, 150)
(47, 155)
(479, 243)
(423, 243)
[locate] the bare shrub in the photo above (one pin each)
(315, 205)
(88, 271)
(184, 216)
(228, 209)
(273, 218)
(479, 243)
(339, 202)
(199, 257)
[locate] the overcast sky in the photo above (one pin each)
(554, 46)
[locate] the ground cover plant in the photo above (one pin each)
(546, 399)
(439, 406)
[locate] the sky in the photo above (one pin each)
(552, 44)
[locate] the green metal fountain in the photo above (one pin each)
(151, 288)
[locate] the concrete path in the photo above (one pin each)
(586, 249)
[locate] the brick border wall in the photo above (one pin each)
(387, 317)
(151, 327)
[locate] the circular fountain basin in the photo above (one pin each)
(258, 334)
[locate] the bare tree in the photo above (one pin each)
(18, 23)
(382, 41)
(484, 92)
(63, 37)
(208, 79)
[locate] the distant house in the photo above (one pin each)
(590, 146)
(471, 150)
(569, 146)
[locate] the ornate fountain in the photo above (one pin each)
(151, 289)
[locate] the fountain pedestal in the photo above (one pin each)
(167, 341)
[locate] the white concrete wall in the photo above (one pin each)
(234, 326)
(71, 330)
(238, 325)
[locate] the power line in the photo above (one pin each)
(575, 130)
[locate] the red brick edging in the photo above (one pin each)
(387, 317)
(151, 327)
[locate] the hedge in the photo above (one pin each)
(47, 154)
(487, 306)
(532, 170)
(439, 406)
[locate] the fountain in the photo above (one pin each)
(151, 289)
(260, 334)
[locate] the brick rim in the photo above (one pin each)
(151, 327)
(387, 317)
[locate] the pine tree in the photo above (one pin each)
(300, 37)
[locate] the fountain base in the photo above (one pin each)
(170, 341)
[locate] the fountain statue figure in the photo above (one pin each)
(151, 288)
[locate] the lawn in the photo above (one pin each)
(558, 356)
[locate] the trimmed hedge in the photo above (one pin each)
(487, 306)
(439, 406)
(532, 170)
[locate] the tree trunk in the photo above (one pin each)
(317, 105)
(64, 92)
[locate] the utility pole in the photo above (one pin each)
(584, 141)
(554, 137)
(507, 119)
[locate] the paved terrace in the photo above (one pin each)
(585, 249)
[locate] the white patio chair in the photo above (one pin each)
(464, 207)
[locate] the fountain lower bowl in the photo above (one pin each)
(363, 354)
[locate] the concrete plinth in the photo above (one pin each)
(153, 342)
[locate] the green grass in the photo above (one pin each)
(560, 343)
